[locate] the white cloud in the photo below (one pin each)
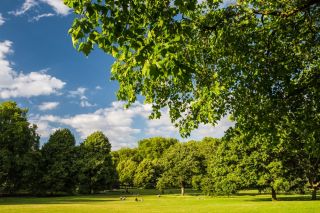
(43, 128)
(13, 84)
(48, 106)
(85, 103)
(80, 92)
(208, 130)
(38, 17)
(27, 5)
(115, 122)
(57, 5)
(2, 20)
(98, 87)
(119, 124)
(161, 126)
(164, 127)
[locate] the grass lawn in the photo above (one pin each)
(110, 202)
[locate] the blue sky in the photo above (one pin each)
(40, 70)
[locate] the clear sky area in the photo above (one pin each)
(41, 71)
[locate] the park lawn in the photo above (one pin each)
(245, 202)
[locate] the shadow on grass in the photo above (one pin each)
(114, 196)
(108, 196)
(52, 200)
(282, 198)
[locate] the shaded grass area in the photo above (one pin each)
(149, 201)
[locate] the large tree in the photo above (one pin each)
(19, 149)
(96, 169)
(204, 60)
(58, 163)
(254, 161)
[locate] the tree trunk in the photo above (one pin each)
(90, 188)
(273, 194)
(182, 190)
(314, 193)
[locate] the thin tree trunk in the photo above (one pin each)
(182, 190)
(90, 186)
(273, 194)
(314, 193)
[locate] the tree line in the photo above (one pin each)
(58, 167)
(236, 162)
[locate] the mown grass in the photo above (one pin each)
(150, 202)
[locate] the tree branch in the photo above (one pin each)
(302, 7)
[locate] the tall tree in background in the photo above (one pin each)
(150, 169)
(126, 161)
(58, 163)
(96, 169)
(19, 149)
(180, 163)
(126, 170)
(147, 173)
(254, 161)
(206, 150)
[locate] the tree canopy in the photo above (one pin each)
(254, 59)
(180, 163)
(153, 148)
(96, 170)
(58, 162)
(19, 146)
(284, 159)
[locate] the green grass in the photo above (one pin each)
(110, 202)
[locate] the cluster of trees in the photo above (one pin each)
(59, 166)
(216, 166)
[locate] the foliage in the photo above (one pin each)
(126, 171)
(58, 163)
(125, 154)
(180, 163)
(254, 59)
(153, 148)
(19, 149)
(147, 174)
(253, 161)
(96, 170)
